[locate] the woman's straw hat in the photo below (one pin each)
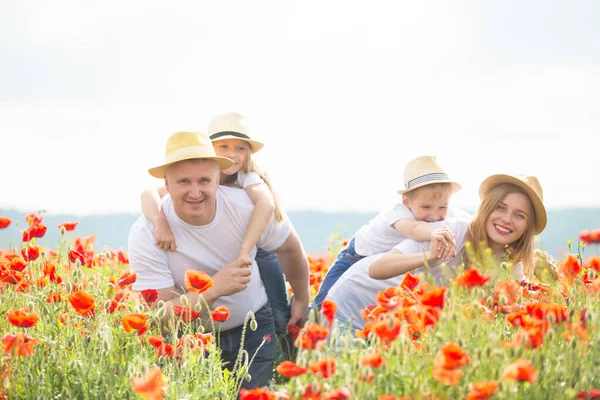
(424, 171)
(231, 125)
(530, 185)
(186, 146)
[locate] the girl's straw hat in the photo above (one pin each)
(530, 185)
(186, 146)
(424, 171)
(231, 125)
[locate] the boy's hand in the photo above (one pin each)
(164, 235)
(443, 245)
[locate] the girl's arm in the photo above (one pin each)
(151, 208)
(264, 207)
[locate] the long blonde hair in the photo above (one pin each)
(522, 249)
(251, 166)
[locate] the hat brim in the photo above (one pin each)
(541, 217)
(254, 145)
(159, 172)
(455, 186)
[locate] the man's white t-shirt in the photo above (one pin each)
(355, 290)
(205, 248)
(245, 179)
(379, 235)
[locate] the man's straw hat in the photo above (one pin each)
(186, 146)
(530, 185)
(424, 171)
(231, 125)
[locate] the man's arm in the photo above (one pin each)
(294, 264)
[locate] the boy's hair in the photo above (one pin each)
(521, 250)
(251, 166)
(437, 189)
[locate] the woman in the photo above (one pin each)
(510, 214)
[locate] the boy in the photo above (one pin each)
(424, 199)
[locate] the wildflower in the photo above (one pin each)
(54, 297)
(312, 335)
(434, 297)
(471, 278)
(520, 370)
(328, 309)
(156, 341)
(340, 393)
(75, 255)
(18, 344)
(569, 268)
(22, 318)
(33, 219)
(373, 360)
(197, 281)
(387, 329)
(290, 369)
(447, 364)
(135, 321)
(30, 253)
(483, 390)
(325, 368)
(127, 278)
(593, 394)
(151, 386)
(150, 296)
(68, 226)
(4, 222)
(122, 257)
(220, 314)
(186, 314)
(83, 303)
(256, 394)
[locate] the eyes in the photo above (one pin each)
(224, 146)
(518, 215)
(428, 207)
(186, 181)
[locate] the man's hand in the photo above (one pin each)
(232, 278)
(298, 311)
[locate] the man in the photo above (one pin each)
(209, 222)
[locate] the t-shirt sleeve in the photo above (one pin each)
(245, 179)
(275, 234)
(147, 260)
(398, 212)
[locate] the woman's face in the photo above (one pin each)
(509, 220)
(234, 149)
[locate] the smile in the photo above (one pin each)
(502, 229)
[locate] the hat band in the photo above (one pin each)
(427, 178)
(228, 133)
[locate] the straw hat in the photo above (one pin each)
(186, 146)
(424, 171)
(530, 185)
(231, 125)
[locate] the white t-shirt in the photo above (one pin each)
(205, 248)
(247, 179)
(355, 290)
(379, 235)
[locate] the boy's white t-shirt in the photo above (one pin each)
(205, 248)
(245, 179)
(379, 235)
(355, 290)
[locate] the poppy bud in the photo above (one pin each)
(253, 325)
(184, 300)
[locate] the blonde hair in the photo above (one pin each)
(437, 189)
(520, 250)
(251, 166)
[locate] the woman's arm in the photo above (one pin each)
(151, 208)
(264, 206)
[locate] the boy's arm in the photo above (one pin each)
(152, 210)
(264, 207)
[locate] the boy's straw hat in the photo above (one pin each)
(530, 185)
(186, 146)
(231, 125)
(424, 171)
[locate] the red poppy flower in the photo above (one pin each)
(33, 219)
(256, 394)
(290, 369)
(387, 329)
(186, 314)
(325, 368)
(197, 281)
(294, 331)
(37, 231)
(151, 386)
(30, 253)
(483, 390)
(340, 393)
(328, 309)
(220, 314)
(54, 297)
(312, 335)
(373, 360)
(569, 268)
(150, 296)
(75, 255)
(135, 322)
(156, 341)
(4, 222)
(22, 318)
(18, 264)
(446, 376)
(409, 281)
(389, 298)
(593, 394)
(18, 344)
(434, 297)
(83, 303)
(122, 257)
(452, 356)
(127, 278)
(166, 350)
(471, 278)
(68, 226)
(520, 370)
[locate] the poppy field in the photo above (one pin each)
(71, 328)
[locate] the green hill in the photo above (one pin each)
(313, 227)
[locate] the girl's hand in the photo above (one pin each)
(164, 236)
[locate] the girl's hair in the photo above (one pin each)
(523, 248)
(438, 190)
(251, 166)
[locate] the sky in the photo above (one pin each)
(343, 94)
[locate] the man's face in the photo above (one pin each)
(193, 187)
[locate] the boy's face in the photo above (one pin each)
(427, 205)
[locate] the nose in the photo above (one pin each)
(195, 191)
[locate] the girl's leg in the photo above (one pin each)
(274, 282)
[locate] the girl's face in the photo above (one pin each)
(234, 149)
(507, 223)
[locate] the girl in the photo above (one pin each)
(229, 134)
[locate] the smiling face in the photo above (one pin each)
(193, 186)
(236, 150)
(508, 221)
(428, 203)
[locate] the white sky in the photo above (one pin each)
(343, 95)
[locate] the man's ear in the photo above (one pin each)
(166, 183)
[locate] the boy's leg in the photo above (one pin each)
(344, 260)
